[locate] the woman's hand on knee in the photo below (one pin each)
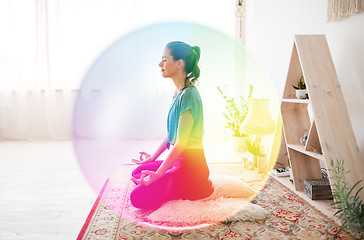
(144, 158)
(148, 177)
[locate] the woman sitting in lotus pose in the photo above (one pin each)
(184, 174)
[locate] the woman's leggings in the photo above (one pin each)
(186, 179)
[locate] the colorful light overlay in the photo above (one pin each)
(122, 105)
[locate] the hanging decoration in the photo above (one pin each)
(340, 9)
(240, 13)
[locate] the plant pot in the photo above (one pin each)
(239, 143)
(302, 94)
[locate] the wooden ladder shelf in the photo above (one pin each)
(330, 134)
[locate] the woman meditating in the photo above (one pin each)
(184, 174)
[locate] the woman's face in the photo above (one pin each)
(168, 65)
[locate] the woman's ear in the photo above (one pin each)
(180, 64)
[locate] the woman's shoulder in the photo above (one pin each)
(192, 90)
(190, 94)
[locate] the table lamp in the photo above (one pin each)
(258, 122)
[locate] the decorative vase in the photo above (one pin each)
(250, 165)
(239, 143)
(254, 160)
(302, 94)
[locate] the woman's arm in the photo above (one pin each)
(151, 158)
(183, 133)
(160, 149)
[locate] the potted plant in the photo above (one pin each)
(350, 209)
(235, 115)
(256, 149)
(301, 91)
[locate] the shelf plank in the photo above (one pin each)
(303, 167)
(302, 101)
(296, 121)
(313, 141)
(294, 74)
(301, 148)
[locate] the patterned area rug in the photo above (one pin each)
(113, 217)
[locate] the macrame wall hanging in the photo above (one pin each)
(240, 13)
(340, 9)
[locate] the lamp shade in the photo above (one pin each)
(258, 120)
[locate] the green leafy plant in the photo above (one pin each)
(255, 147)
(289, 165)
(240, 2)
(236, 112)
(300, 84)
(350, 209)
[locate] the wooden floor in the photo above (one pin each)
(43, 194)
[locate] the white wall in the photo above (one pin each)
(271, 26)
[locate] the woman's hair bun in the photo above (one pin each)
(197, 51)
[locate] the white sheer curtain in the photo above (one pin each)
(47, 46)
